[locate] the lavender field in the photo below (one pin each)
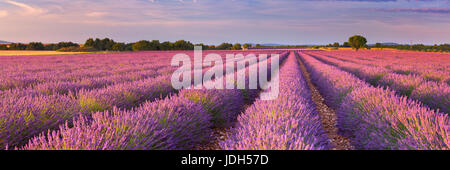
(327, 100)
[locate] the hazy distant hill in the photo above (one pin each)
(269, 44)
(2, 42)
(386, 43)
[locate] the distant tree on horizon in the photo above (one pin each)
(336, 44)
(142, 45)
(183, 45)
(225, 46)
(237, 46)
(17, 46)
(3, 47)
(35, 46)
(118, 47)
(357, 42)
(100, 44)
(346, 44)
(246, 46)
(166, 45)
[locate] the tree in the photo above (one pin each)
(336, 44)
(225, 46)
(346, 44)
(118, 47)
(17, 46)
(237, 46)
(183, 45)
(106, 44)
(166, 45)
(357, 42)
(142, 45)
(100, 44)
(89, 42)
(204, 47)
(3, 47)
(50, 47)
(246, 46)
(154, 45)
(35, 46)
(128, 47)
(378, 45)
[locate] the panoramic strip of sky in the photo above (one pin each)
(217, 21)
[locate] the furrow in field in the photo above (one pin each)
(327, 115)
(377, 118)
(177, 122)
(430, 72)
(289, 122)
(434, 95)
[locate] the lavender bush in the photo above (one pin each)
(288, 123)
(377, 118)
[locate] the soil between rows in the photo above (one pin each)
(327, 115)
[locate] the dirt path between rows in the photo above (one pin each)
(327, 115)
(217, 136)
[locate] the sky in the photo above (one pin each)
(234, 21)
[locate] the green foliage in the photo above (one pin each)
(417, 47)
(17, 46)
(205, 47)
(246, 46)
(378, 45)
(90, 105)
(118, 47)
(357, 42)
(346, 44)
(237, 46)
(336, 44)
(35, 46)
(3, 47)
(105, 44)
(183, 45)
(166, 46)
(225, 46)
(142, 45)
(60, 45)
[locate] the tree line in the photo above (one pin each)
(37, 46)
(107, 44)
(357, 42)
(417, 47)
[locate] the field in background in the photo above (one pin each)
(377, 99)
(22, 52)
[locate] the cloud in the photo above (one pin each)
(29, 10)
(418, 10)
(3, 14)
(96, 14)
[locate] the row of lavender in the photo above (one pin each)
(177, 122)
(88, 79)
(25, 114)
(433, 67)
(290, 122)
(73, 72)
(75, 69)
(435, 95)
(377, 118)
